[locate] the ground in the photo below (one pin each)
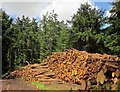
(18, 84)
(47, 80)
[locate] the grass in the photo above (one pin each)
(39, 85)
(42, 87)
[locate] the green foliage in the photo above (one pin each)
(86, 29)
(39, 85)
(118, 87)
(27, 41)
(54, 35)
(112, 41)
(6, 41)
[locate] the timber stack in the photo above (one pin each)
(89, 70)
(84, 68)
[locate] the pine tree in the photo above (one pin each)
(6, 41)
(86, 25)
(112, 38)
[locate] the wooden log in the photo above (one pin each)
(49, 80)
(39, 76)
(89, 85)
(117, 73)
(109, 64)
(50, 74)
(113, 74)
(115, 80)
(104, 68)
(83, 85)
(101, 77)
(44, 64)
(108, 60)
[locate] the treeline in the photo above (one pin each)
(28, 41)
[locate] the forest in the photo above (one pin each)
(26, 41)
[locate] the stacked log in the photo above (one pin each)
(81, 67)
(34, 72)
(75, 66)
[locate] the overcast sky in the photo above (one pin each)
(64, 8)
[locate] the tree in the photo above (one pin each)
(25, 43)
(63, 37)
(6, 41)
(112, 41)
(86, 24)
(54, 35)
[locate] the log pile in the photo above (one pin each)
(35, 72)
(80, 67)
(84, 68)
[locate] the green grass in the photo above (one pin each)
(39, 85)
(49, 89)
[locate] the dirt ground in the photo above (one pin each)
(18, 84)
(45, 83)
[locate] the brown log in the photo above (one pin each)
(101, 77)
(89, 84)
(109, 64)
(49, 80)
(50, 74)
(115, 80)
(105, 60)
(44, 64)
(104, 69)
(113, 74)
(117, 73)
(83, 85)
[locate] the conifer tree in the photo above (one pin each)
(86, 27)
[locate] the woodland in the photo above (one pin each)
(26, 41)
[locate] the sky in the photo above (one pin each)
(64, 8)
